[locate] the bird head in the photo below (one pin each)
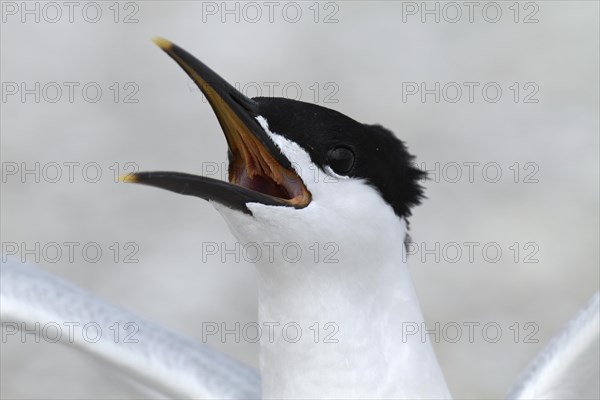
(294, 166)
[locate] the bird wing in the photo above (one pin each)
(569, 366)
(171, 364)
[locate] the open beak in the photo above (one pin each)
(258, 171)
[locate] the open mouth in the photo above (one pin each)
(258, 171)
(259, 174)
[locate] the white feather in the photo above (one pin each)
(169, 363)
(569, 366)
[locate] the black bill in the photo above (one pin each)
(258, 171)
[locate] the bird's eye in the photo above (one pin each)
(341, 160)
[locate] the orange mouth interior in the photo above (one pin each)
(254, 168)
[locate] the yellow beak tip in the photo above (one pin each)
(162, 43)
(129, 178)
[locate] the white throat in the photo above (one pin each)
(339, 309)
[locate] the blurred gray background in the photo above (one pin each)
(367, 53)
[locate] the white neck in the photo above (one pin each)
(349, 291)
(364, 300)
(356, 313)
